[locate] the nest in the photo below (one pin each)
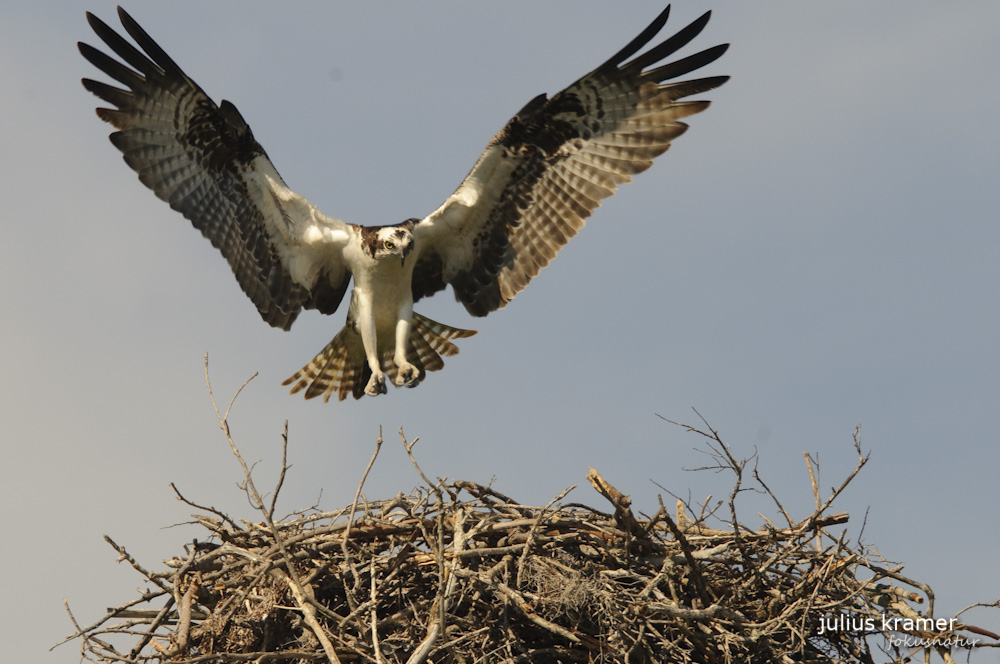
(457, 572)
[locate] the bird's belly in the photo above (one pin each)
(387, 305)
(386, 318)
(388, 292)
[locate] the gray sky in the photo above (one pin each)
(818, 252)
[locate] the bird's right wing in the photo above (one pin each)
(203, 160)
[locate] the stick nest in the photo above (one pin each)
(457, 572)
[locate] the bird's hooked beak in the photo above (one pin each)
(406, 252)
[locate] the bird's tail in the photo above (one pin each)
(342, 368)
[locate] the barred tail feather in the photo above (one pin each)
(341, 367)
(436, 337)
(429, 340)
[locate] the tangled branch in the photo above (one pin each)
(458, 572)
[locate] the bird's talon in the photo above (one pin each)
(376, 385)
(407, 375)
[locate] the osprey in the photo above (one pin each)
(530, 191)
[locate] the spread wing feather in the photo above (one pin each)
(547, 170)
(203, 160)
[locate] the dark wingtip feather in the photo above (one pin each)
(686, 65)
(696, 86)
(147, 43)
(123, 48)
(672, 44)
(640, 40)
(109, 66)
(96, 23)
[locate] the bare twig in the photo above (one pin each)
(409, 452)
(458, 571)
(354, 507)
(284, 469)
(295, 583)
(379, 659)
(211, 510)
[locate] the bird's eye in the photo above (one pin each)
(389, 245)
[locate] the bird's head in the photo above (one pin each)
(393, 241)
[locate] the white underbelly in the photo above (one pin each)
(389, 292)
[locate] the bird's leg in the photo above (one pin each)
(366, 325)
(406, 373)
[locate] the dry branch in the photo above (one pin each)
(457, 572)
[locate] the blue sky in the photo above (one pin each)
(818, 252)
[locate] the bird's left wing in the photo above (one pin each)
(203, 160)
(551, 165)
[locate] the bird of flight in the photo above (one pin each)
(530, 191)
